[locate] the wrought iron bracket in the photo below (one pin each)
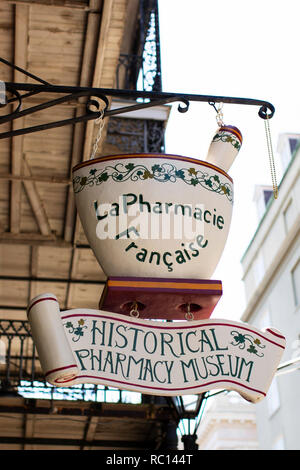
(98, 98)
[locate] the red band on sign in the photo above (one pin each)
(171, 389)
(174, 326)
(275, 334)
(58, 369)
(39, 300)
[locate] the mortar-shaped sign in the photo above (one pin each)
(155, 216)
(151, 215)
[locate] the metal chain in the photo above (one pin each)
(134, 311)
(219, 116)
(189, 315)
(271, 157)
(99, 121)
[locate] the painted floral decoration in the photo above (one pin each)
(164, 172)
(243, 340)
(229, 138)
(76, 330)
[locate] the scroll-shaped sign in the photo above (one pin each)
(152, 357)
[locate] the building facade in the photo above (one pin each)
(271, 275)
(228, 424)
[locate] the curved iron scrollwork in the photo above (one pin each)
(263, 111)
(150, 99)
(78, 93)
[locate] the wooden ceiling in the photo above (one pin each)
(76, 425)
(42, 244)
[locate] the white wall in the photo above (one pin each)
(281, 218)
(268, 274)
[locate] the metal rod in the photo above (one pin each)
(135, 94)
(69, 97)
(52, 125)
(126, 109)
(25, 72)
(28, 74)
(153, 98)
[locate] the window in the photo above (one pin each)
(296, 283)
(287, 145)
(263, 194)
(293, 144)
(288, 150)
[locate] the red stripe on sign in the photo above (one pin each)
(275, 334)
(40, 300)
(161, 389)
(60, 368)
(173, 326)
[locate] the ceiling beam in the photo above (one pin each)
(81, 5)
(88, 63)
(13, 307)
(51, 279)
(28, 431)
(34, 261)
(36, 178)
(20, 58)
(103, 443)
(33, 239)
(89, 432)
(77, 408)
(36, 203)
(34, 264)
(102, 47)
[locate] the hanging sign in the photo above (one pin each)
(152, 357)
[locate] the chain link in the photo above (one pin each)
(219, 116)
(134, 311)
(271, 158)
(99, 121)
(189, 315)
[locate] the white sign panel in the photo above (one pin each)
(153, 357)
